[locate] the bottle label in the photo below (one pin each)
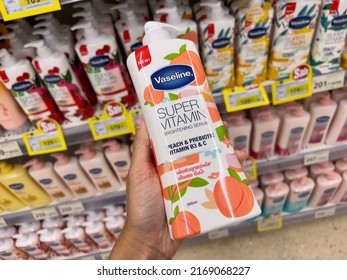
(99, 178)
(297, 201)
(240, 143)
(266, 145)
(344, 198)
(104, 240)
(293, 144)
(319, 129)
(343, 134)
(52, 188)
(75, 184)
(326, 196)
(14, 254)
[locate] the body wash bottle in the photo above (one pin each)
(8, 201)
(341, 165)
(275, 197)
(217, 47)
(338, 129)
(239, 131)
(340, 196)
(299, 194)
(321, 168)
(188, 134)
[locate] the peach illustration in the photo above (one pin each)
(175, 189)
(192, 36)
(153, 97)
(214, 113)
(233, 198)
(184, 225)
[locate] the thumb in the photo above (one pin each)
(142, 144)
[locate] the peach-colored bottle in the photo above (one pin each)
(307, 101)
(239, 130)
(339, 94)
(338, 129)
(340, 196)
(292, 130)
(321, 168)
(282, 109)
(326, 186)
(299, 193)
(12, 118)
(341, 165)
(265, 127)
(322, 112)
(295, 174)
(271, 179)
(275, 197)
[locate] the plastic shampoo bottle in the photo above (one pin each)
(187, 133)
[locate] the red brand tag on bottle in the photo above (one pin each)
(37, 66)
(83, 50)
(163, 18)
(290, 8)
(334, 6)
(210, 30)
(126, 36)
(4, 77)
(143, 57)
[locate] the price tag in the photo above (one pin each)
(241, 98)
(71, 208)
(9, 150)
(273, 222)
(316, 157)
(47, 139)
(218, 234)
(44, 213)
(2, 222)
(250, 166)
(329, 81)
(326, 212)
(298, 86)
(116, 121)
(14, 9)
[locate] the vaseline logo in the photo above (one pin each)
(46, 181)
(172, 77)
(100, 61)
(136, 46)
(339, 21)
(22, 86)
(257, 33)
(220, 43)
(95, 171)
(268, 134)
(70, 177)
(300, 22)
(52, 79)
(297, 130)
(323, 119)
(16, 187)
(120, 163)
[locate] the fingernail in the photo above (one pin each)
(138, 123)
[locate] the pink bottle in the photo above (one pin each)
(75, 220)
(326, 186)
(321, 168)
(239, 130)
(338, 128)
(29, 227)
(95, 215)
(339, 94)
(282, 109)
(322, 112)
(98, 232)
(78, 237)
(115, 224)
(7, 232)
(341, 165)
(295, 174)
(8, 250)
(259, 195)
(56, 222)
(271, 179)
(299, 194)
(340, 196)
(275, 197)
(114, 210)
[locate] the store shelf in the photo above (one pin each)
(307, 214)
(91, 203)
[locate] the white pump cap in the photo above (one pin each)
(88, 16)
(114, 210)
(6, 58)
(120, 6)
(90, 32)
(7, 232)
(49, 37)
(43, 51)
(95, 215)
(217, 12)
(130, 17)
(22, 35)
(172, 15)
(158, 31)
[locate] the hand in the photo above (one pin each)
(146, 233)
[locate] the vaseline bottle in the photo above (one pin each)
(16, 179)
(204, 186)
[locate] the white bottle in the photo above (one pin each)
(321, 168)
(275, 197)
(8, 250)
(188, 28)
(131, 31)
(100, 235)
(338, 129)
(29, 227)
(95, 165)
(141, 10)
(239, 131)
(115, 224)
(101, 59)
(54, 239)
(95, 215)
(299, 194)
(75, 220)
(295, 174)
(43, 173)
(119, 157)
(88, 7)
(55, 70)
(292, 130)
(265, 127)
(72, 174)
(78, 237)
(183, 7)
(341, 165)
(7, 232)
(17, 47)
(30, 243)
(114, 210)
(271, 179)
(326, 186)
(55, 222)
(322, 112)
(340, 197)
(21, 33)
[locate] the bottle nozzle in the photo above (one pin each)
(46, 17)
(42, 49)
(172, 14)
(86, 6)
(158, 31)
(89, 31)
(119, 6)
(35, 163)
(6, 58)
(216, 9)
